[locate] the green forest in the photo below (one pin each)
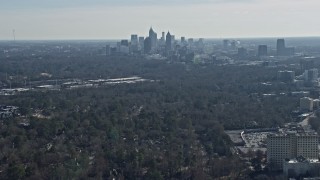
(171, 128)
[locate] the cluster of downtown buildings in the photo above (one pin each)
(168, 46)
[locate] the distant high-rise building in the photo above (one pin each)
(162, 40)
(281, 47)
(282, 50)
(147, 45)
(190, 42)
(173, 38)
(124, 43)
(168, 42)
(183, 40)
(134, 39)
(123, 47)
(141, 39)
(141, 43)
(134, 43)
(153, 39)
(262, 50)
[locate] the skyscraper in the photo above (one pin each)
(147, 45)
(281, 47)
(124, 47)
(162, 40)
(168, 42)
(282, 50)
(124, 43)
(134, 39)
(153, 39)
(134, 43)
(262, 50)
(141, 43)
(190, 42)
(183, 40)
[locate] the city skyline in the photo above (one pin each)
(97, 19)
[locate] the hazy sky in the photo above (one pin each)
(117, 19)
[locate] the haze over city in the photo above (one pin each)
(155, 90)
(97, 19)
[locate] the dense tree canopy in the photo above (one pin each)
(170, 128)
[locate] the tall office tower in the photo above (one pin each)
(173, 38)
(147, 45)
(183, 40)
(134, 43)
(141, 43)
(153, 39)
(190, 42)
(281, 47)
(124, 43)
(289, 145)
(124, 47)
(168, 42)
(134, 39)
(262, 50)
(162, 40)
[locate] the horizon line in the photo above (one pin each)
(117, 39)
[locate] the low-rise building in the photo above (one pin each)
(301, 166)
(8, 111)
(306, 104)
(286, 76)
(316, 103)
